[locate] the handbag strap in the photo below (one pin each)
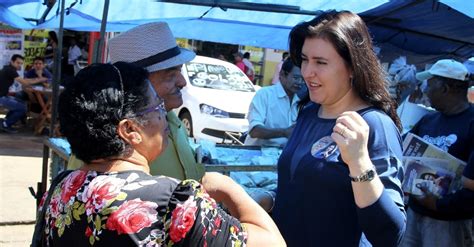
(38, 236)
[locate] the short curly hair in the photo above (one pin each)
(93, 104)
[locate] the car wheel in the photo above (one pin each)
(187, 121)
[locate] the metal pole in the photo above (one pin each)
(276, 8)
(100, 46)
(56, 80)
(57, 71)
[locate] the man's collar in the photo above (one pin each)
(281, 93)
(172, 118)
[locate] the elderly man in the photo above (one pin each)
(152, 46)
(445, 221)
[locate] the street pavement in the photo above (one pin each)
(20, 168)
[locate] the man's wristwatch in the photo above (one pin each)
(366, 176)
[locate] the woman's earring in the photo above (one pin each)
(138, 138)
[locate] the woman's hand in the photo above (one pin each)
(351, 134)
(261, 230)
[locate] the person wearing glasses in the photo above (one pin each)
(272, 113)
(116, 123)
(163, 59)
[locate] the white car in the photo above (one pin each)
(216, 99)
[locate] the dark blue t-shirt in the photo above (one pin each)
(315, 203)
(32, 74)
(454, 134)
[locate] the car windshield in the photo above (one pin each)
(217, 76)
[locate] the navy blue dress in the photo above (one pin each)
(315, 204)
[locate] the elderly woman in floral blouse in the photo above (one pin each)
(116, 124)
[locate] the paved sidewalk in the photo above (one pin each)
(16, 236)
(20, 167)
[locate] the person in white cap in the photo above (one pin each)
(445, 221)
(153, 47)
(470, 67)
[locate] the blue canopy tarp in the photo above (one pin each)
(234, 26)
(78, 21)
(424, 27)
(10, 18)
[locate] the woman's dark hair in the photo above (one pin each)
(287, 66)
(52, 35)
(93, 104)
(350, 37)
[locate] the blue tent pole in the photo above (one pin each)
(100, 45)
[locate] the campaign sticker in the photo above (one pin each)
(324, 148)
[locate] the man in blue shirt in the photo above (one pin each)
(445, 221)
(273, 110)
(39, 70)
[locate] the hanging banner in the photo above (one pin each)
(11, 42)
(36, 41)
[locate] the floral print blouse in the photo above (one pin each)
(133, 208)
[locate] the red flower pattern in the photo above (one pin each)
(54, 206)
(88, 232)
(72, 184)
(132, 216)
(100, 191)
(43, 198)
(182, 219)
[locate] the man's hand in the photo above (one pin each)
(289, 130)
(427, 200)
(42, 79)
(470, 94)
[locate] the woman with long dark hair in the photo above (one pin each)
(50, 51)
(339, 174)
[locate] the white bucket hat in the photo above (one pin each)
(445, 68)
(151, 46)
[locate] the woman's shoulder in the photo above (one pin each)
(376, 117)
(309, 109)
(132, 184)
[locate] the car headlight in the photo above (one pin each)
(211, 110)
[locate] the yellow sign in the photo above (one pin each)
(182, 43)
(35, 44)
